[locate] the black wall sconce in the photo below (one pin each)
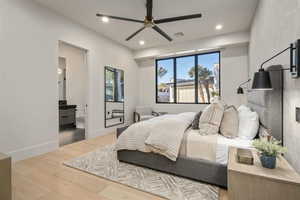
(240, 89)
(262, 79)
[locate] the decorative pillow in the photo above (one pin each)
(248, 123)
(195, 123)
(230, 123)
(211, 118)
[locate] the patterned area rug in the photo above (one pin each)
(104, 163)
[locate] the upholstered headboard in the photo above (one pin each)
(269, 104)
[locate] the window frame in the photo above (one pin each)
(175, 77)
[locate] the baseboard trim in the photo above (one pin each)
(32, 151)
(101, 132)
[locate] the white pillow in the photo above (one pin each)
(248, 123)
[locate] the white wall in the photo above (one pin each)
(234, 70)
(275, 26)
(76, 76)
(29, 36)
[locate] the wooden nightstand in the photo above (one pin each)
(253, 182)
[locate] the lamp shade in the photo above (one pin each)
(240, 90)
(262, 80)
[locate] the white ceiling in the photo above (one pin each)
(234, 15)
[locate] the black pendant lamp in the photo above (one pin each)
(240, 90)
(262, 80)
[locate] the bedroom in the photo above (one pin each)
(245, 34)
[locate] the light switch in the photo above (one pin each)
(298, 115)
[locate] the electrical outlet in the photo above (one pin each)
(298, 115)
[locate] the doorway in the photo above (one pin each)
(73, 92)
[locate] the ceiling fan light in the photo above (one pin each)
(150, 22)
(105, 19)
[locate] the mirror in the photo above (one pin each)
(114, 96)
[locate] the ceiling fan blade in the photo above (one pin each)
(172, 19)
(157, 29)
(149, 6)
(120, 18)
(135, 33)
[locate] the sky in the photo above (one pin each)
(184, 64)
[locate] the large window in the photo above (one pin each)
(188, 79)
(165, 81)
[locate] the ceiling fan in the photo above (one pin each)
(149, 22)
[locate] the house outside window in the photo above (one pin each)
(176, 81)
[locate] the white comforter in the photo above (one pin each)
(161, 135)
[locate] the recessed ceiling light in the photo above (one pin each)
(59, 71)
(141, 42)
(105, 19)
(219, 27)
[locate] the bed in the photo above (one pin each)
(268, 104)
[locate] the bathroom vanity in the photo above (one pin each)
(67, 115)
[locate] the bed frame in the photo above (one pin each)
(268, 104)
(200, 170)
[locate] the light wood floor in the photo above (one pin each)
(45, 178)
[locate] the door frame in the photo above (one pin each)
(87, 120)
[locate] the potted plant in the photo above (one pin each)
(269, 149)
